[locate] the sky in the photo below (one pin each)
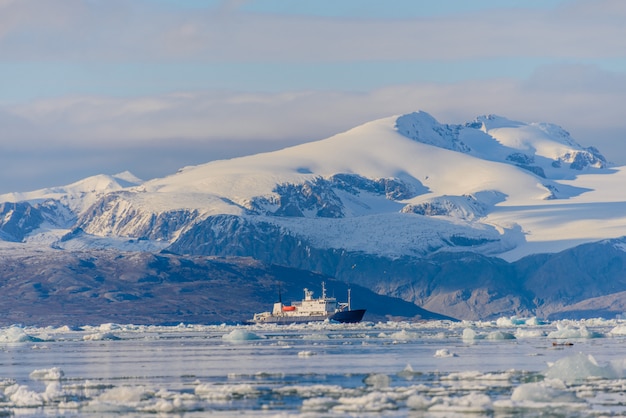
(103, 86)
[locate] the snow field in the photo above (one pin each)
(549, 209)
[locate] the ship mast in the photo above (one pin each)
(349, 291)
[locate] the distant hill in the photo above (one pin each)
(95, 287)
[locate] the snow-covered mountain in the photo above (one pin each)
(398, 188)
(43, 216)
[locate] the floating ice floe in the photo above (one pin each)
(472, 403)
(444, 353)
(101, 336)
(408, 373)
(22, 396)
(515, 321)
(529, 333)
(580, 367)
(370, 402)
(499, 335)
(575, 385)
(16, 335)
(404, 335)
(471, 335)
(54, 373)
(225, 392)
(618, 330)
(550, 390)
(241, 335)
(124, 394)
(568, 331)
(551, 397)
(377, 380)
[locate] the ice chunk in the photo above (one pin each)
(54, 373)
(225, 392)
(567, 331)
(124, 394)
(306, 353)
(470, 335)
(535, 321)
(371, 402)
(510, 321)
(101, 336)
(377, 380)
(618, 330)
(322, 404)
(418, 402)
(241, 335)
(472, 403)
(408, 373)
(109, 327)
(552, 390)
(161, 406)
(515, 321)
(578, 367)
(404, 335)
(500, 335)
(444, 353)
(529, 333)
(21, 396)
(16, 335)
(54, 392)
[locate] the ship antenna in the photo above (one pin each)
(323, 290)
(280, 296)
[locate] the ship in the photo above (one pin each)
(310, 309)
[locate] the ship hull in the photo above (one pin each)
(348, 317)
(289, 319)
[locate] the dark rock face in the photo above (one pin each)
(89, 288)
(319, 198)
(589, 157)
(115, 215)
(17, 220)
(424, 128)
(461, 285)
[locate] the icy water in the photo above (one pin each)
(506, 368)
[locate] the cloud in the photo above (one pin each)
(107, 44)
(131, 30)
(195, 127)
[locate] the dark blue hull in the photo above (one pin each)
(348, 317)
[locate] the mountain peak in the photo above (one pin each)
(422, 127)
(127, 179)
(492, 121)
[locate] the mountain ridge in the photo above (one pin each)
(399, 188)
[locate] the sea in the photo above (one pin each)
(510, 367)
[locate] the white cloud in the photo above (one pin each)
(561, 94)
(127, 30)
(158, 133)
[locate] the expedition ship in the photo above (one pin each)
(310, 310)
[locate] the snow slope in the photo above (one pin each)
(523, 212)
(79, 195)
(396, 186)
